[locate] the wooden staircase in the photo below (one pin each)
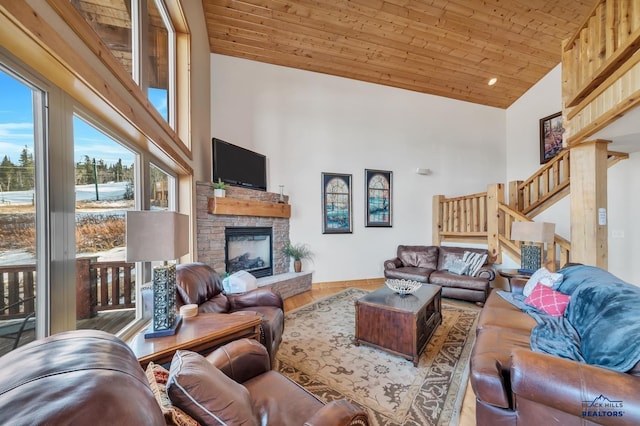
(485, 217)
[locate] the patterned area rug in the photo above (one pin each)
(317, 351)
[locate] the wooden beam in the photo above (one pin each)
(589, 243)
(233, 206)
(495, 224)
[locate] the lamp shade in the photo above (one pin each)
(156, 235)
(537, 232)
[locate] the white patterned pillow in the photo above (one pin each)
(544, 277)
(457, 266)
(474, 261)
(157, 376)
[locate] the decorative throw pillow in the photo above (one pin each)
(544, 277)
(457, 266)
(239, 282)
(206, 393)
(548, 300)
(474, 261)
(157, 377)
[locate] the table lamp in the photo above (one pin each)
(154, 236)
(529, 233)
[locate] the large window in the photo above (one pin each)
(141, 36)
(105, 188)
(112, 23)
(20, 107)
(76, 151)
(160, 51)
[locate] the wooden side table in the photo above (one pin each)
(203, 334)
(513, 273)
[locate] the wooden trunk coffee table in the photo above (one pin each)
(401, 325)
(202, 334)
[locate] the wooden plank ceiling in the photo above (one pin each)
(449, 48)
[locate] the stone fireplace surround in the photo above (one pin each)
(211, 238)
(211, 227)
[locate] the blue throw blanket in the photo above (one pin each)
(601, 325)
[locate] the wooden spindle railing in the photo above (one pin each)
(546, 186)
(557, 253)
(460, 216)
(100, 286)
(484, 217)
(600, 81)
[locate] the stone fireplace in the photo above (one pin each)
(249, 249)
(211, 228)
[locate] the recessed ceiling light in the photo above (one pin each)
(493, 81)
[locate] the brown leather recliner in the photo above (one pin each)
(198, 283)
(276, 399)
(77, 377)
(92, 377)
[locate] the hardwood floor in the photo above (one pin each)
(468, 412)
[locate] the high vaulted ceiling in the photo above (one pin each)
(449, 48)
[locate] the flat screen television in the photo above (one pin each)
(239, 166)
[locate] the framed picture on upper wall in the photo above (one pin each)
(378, 197)
(551, 131)
(336, 203)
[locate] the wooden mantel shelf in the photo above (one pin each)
(233, 206)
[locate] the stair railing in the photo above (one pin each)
(485, 218)
(557, 253)
(546, 186)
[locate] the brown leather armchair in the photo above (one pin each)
(76, 377)
(278, 400)
(198, 283)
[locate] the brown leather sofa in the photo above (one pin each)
(515, 385)
(427, 264)
(198, 283)
(92, 377)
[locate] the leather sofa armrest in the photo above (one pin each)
(338, 413)
(257, 297)
(241, 359)
(570, 386)
(392, 263)
(487, 380)
(487, 272)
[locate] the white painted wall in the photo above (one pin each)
(523, 158)
(623, 207)
(308, 123)
(523, 140)
(200, 124)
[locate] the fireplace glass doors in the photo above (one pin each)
(249, 249)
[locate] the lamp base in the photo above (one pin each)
(151, 333)
(526, 271)
(531, 256)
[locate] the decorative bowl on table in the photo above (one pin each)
(403, 287)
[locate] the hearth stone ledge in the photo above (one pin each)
(287, 284)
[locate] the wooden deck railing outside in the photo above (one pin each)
(100, 286)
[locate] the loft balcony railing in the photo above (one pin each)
(601, 69)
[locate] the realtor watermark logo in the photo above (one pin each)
(602, 407)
